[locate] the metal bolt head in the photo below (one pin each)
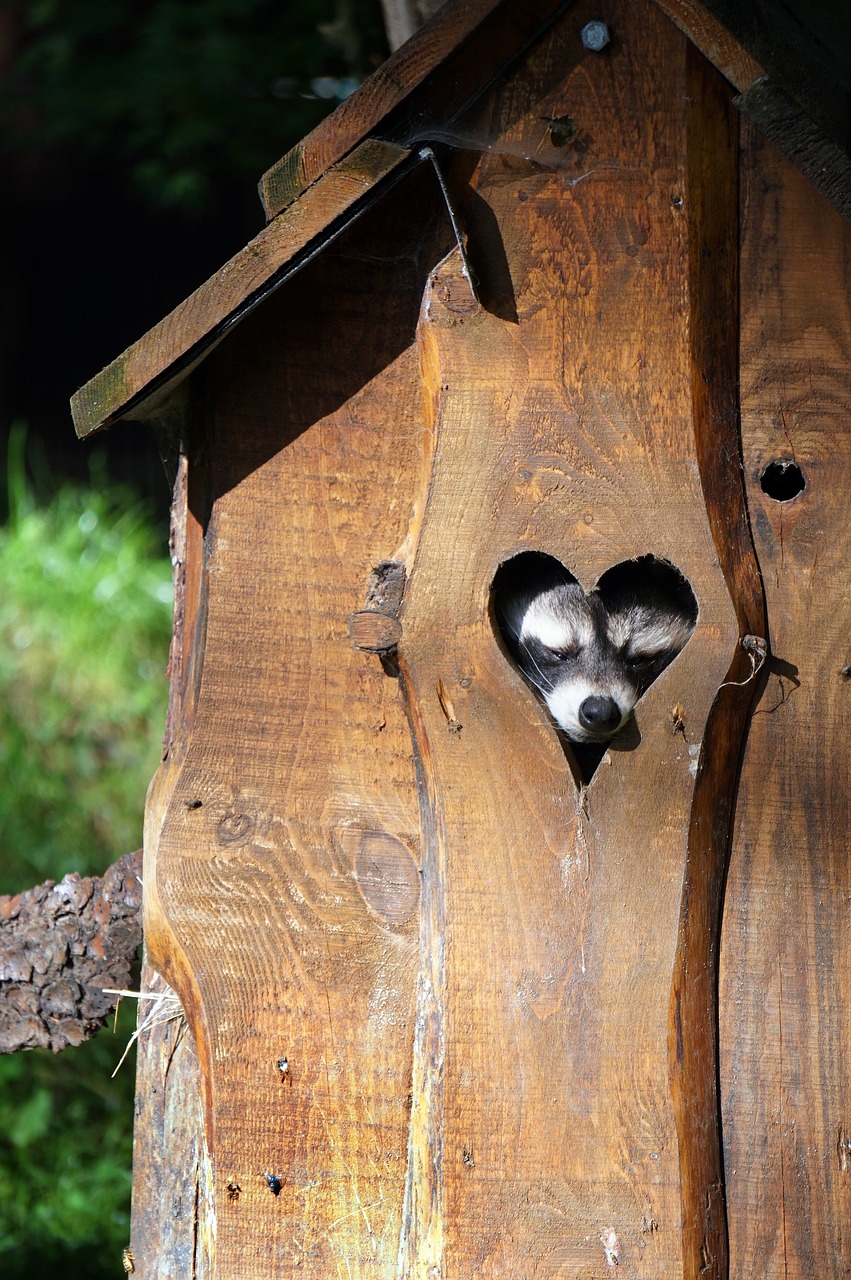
(595, 35)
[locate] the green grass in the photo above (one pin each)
(85, 618)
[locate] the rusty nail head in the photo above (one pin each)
(595, 35)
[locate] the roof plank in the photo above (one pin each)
(150, 366)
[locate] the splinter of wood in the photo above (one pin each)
(447, 708)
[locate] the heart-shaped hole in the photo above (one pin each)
(590, 656)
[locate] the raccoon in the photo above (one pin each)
(592, 655)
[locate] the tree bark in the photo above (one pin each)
(60, 945)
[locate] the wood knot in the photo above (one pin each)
(235, 828)
(387, 876)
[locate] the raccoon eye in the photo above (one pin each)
(562, 655)
(638, 661)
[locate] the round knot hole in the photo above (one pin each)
(782, 480)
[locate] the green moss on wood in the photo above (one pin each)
(94, 404)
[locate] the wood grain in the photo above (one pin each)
(494, 989)
(714, 41)
(173, 1224)
(172, 1230)
(713, 329)
(786, 958)
(811, 150)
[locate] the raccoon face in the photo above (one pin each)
(591, 656)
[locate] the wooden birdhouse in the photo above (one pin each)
(461, 1004)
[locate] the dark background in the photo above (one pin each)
(132, 137)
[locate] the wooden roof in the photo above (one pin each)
(338, 170)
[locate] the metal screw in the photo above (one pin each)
(595, 35)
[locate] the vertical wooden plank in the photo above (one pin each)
(172, 1230)
(786, 956)
(283, 844)
(713, 332)
(546, 1139)
(173, 1222)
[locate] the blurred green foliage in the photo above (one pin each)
(85, 616)
(84, 629)
(182, 93)
(65, 1159)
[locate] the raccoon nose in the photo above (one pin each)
(599, 715)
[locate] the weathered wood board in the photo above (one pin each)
(786, 958)
(284, 845)
(493, 989)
